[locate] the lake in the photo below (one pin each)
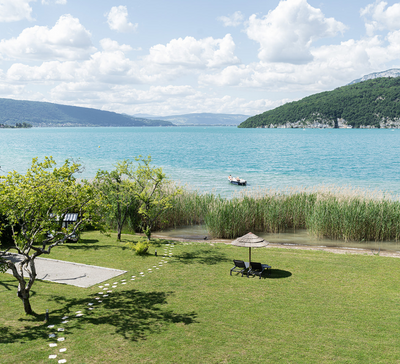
(203, 157)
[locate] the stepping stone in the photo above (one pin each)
(90, 304)
(79, 315)
(63, 350)
(61, 339)
(106, 295)
(115, 283)
(78, 312)
(124, 283)
(50, 326)
(157, 268)
(114, 287)
(64, 318)
(52, 356)
(53, 345)
(104, 289)
(101, 293)
(123, 280)
(51, 336)
(97, 298)
(107, 284)
(101, 286)
(109, 291)
(100, 301)
(60, 329)
(62, 361)
(133, 276)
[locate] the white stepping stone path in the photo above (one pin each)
(105, 287)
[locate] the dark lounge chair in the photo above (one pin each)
(240, 267)
(258, 269)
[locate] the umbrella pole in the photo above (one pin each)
(249, 257)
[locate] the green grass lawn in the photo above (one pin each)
(316, 307)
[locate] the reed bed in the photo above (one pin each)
(340, 213)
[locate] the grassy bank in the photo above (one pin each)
(316, 307)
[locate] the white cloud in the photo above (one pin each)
(232, 20)
(117, 19)
(286, 33)
(192, 53)
(378, 17)
(15, 10)
(111, 45)
(68, 39)
(109, 66)
(332, 66)
(59, 2)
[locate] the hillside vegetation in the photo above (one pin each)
(48, 114)
(373, 103)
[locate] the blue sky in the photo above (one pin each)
(171, 57)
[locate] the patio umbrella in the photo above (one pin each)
(250, 240)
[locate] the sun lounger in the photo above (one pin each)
(240, 266)
(258, 269)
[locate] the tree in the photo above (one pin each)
(35, 205)
(117, 188)
(152, 193)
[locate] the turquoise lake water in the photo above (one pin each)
(203, 157)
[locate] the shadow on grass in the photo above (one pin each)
(278, 273)
(208, 256)
(133, 314)
(87, 244)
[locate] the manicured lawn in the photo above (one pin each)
(316, 307)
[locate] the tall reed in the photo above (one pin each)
(331, 212)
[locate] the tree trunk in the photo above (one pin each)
(24, 296)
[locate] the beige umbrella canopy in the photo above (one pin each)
(250, 240)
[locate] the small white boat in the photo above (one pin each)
(237, 181)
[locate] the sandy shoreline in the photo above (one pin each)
(336, 250)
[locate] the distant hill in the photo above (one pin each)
(202, 119)
(373, 103)
(394, 72)
(48, 114)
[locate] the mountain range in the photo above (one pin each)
(201, 119)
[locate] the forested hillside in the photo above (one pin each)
(48, 114)
(373, 103)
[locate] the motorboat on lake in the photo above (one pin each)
(237, 181)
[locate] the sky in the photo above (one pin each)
(159, 57)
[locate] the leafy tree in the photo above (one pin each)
(152, 193)
(118, 190)
(35, 205)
